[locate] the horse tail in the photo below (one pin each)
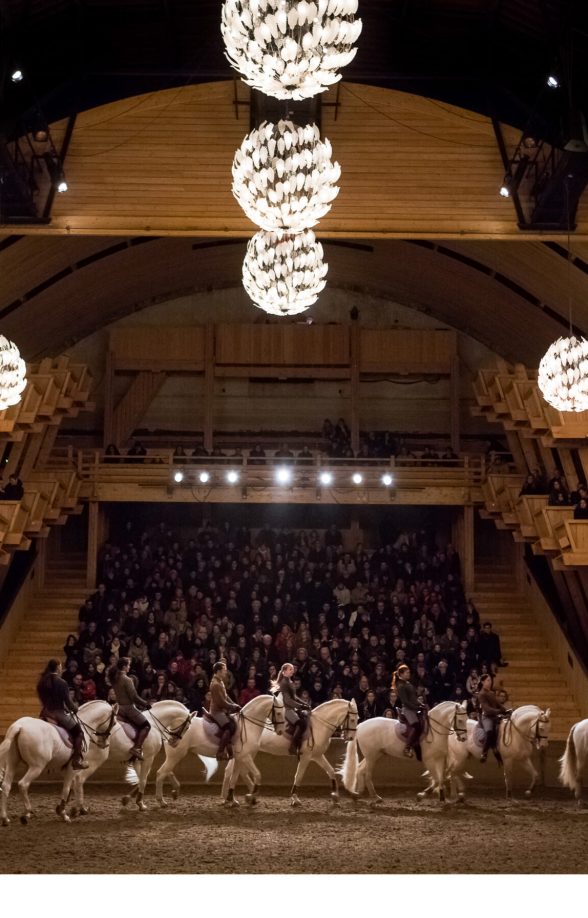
(568, 763)
(348, 770)
(211, 766)
(132, 775)
(6, 747)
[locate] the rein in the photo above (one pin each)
(450, 730)
(103, 734)
(167, 733)
(507, 733)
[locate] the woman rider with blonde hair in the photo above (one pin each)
(411, 708)
(295, 707)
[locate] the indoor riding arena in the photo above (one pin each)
(293, 425)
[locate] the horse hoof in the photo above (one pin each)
(74, 812)
(142, 807)
(84, 811)
(126, 800)
(24, 819)
(335, 799)
(59, 809)
(175, 794)
(421, 795)
(250, 799)
(66, 818)
(295, 802)
(460, 798)
(528, 793)
(163, 803)
(6, 821)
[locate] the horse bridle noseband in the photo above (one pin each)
(345, 726)
(103, 735)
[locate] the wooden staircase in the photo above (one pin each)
(532, 676)
(51, 616)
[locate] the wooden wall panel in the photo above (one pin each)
(406, 350)
(282, 345)
(179, 345)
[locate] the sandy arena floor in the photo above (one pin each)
(197, 835)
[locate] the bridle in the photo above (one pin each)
(274, 721)
(453, 729)
(172, 735)
(102, 736)
(349, 724)
(535, 737)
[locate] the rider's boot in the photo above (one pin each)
(296, 738)
(137, 750)
(77, 761)
(224, 744)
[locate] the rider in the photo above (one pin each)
(53, 692)
(411, 709)
(221, 707)
(490, 710)
(296, 709)
(130, 703)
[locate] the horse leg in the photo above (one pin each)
(166, 771)
(508, 781)
(143, 775)
(332, 774)
(302, 766)
(530, 768)
(369, 782)
(5, 791)
(253, 780)
(33, 772)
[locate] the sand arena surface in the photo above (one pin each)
(196, 835)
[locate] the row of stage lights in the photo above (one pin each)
(283, 476)
(41, 135)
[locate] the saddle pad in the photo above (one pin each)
(130, 729)
(479, 737)
(211, 730)
(63, 734)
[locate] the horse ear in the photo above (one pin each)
(548, 712)
(115, 708)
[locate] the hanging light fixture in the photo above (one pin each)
(283, 176)
(284, 274)
(563, 371)
(12, 374)
(290, 49)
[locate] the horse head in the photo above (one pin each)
(278, 715)
(99, 733)
(460, 722)
(542, 729)
(350, 722)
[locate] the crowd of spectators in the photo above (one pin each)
(346, 619)
(557, 492)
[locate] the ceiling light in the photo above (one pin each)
(563, 374)
(284, 274)
(12, 374)
(357, 478)
(178, 476)
(17, 76)
(284, 475)
(204, 477)
(553, 81)
(290, 50)
(283, 176)
(387, 480)
(326, 478)
(505, 187)
(62, 185)
(232, 477)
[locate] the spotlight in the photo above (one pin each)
(204, 477)
(552, 81)
(284, 476)
(504, 188)
(232, 477)
(17, 76)
(41, 135)
(178, 476)
(326, 478)
(62, 185)
(386, 480)
(357, 478)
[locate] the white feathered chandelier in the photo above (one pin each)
(563, 371)
(563, 374)
(290, 49)
(283, 176)
(12, 374)
(284, 274)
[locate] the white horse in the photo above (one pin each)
(39, 744)
(201, 738)
(385, 736)
(169, 721)
(324, 720)
(527, 728)
(574, 759)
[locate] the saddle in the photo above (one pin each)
(130, 729)
(65, 737)
(211, 728)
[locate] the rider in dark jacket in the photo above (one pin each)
(53, 692)
(296, 709)
(411, 709)
(221, 707)
(490, 710)
(130, 703)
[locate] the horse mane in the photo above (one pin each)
(331, 701)
(255, 702)
(525, 710)
(442, 707)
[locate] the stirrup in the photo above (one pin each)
(137, 753)
(79, 764)
(408, 752)
(483, 757)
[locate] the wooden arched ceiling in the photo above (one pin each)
(510, 296)
(161, 164)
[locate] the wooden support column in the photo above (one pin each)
(468, 557)
(354, 333)
(515, 448)
(208, 387)
(108, 424)
(93, 543)
(454, 394)
(355, 532)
